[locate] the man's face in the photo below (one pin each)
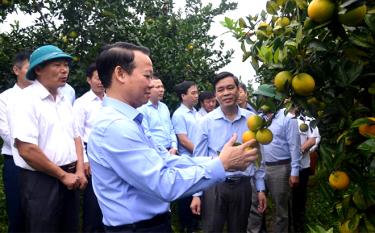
(190, 99)
(138, 84)
(226, 92)
(209, 104)
(20, 69)
(242, 96)
(95, 83)
(157, 90)
(54, 74)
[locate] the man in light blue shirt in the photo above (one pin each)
(157, 118)
(228, 202)
(184, 119)
(133, 179)
(282, 158)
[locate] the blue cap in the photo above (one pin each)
(43, 54)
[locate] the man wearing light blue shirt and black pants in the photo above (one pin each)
(282, 159)
(228, 202)
(134, 179)
(157, 119)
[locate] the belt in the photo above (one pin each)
(71, 167)
(236, 179)
(155, 221)
(280, 162)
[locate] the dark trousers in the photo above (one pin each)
(227, 202)
(16, 218)
(188, 220)
(48, 204)
(154, 225)
(299, 196)
(92, 215)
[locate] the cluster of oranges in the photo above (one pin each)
(321, 11)
(303, 84)
(257, 131)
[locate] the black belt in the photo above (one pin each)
(155, 221)
(236, 179)
(71, 167)
(280, 162)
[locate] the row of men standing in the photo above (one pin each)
(220, 203)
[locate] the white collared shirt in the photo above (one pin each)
(85, 110)
(7, 99)
(45, 122)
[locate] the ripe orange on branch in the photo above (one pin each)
(339, 180)
(321, 11)
(303, 84)
(254, 122)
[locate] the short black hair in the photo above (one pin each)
(90, 70)
(205, 95)
(117, 54)
(20, 57)
(243, 87)
(183, 87)
(223, 75)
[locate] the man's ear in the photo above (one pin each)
(120, 74)
(15, 70)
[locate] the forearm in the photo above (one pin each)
(35, 157)
(79, 152)
(308, 144)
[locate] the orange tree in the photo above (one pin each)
(327, 48)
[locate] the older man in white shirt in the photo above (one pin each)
(48, 147)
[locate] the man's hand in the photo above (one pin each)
(238, 157)
(81, 179)
(293, 181)
(173, 151)
(195, 205)
(70, 180)
(86, 167)
(262, 202)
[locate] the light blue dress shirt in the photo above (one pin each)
(184, 121)
(132, 178)
(214, 130)
(285, 143)
(157, 122)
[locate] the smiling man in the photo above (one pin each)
(134, 179)
(48, 147)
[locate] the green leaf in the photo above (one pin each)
(370, 21)
(317, 46)
(242, 23)
(368, 145)
(299, 35)
(360, 121)
(272, 7)
(359, 200)
(302, 4)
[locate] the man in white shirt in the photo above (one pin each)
(10, 170)
(85, 110)
(47, 146)
(69, 92)
(156, 118)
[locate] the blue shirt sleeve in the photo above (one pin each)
(294, 143)
(143, 167)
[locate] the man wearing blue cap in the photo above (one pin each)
(48, 147)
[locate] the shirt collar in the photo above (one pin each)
(44, 93)
(218, 113)
(186, 109)
(123, 108)
(93, 96)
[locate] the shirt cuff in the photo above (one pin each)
(295, 172)
(259, 183)
(215, 170)
(198, 194)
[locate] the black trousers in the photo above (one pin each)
(49, 206)
(299, 196)
(227, 202)
(187, 220)
(16, 218)
(92, 215)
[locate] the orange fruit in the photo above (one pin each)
(354, 16)
(339, 180)
(247, 136)
(254, 122)
(280, 80)
(367, 130)
(321, 11)
(303, 84)
(264, 136)
(303, 127)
